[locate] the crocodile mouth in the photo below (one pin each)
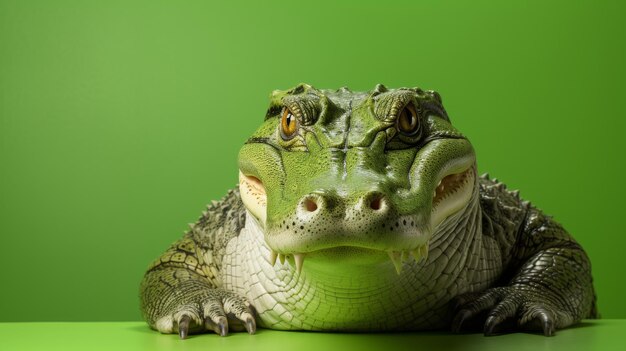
(339, 254)
(452, 193)
(253, 195)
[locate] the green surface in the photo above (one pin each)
(590, 335)
(119, 120)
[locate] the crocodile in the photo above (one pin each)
(379, 195)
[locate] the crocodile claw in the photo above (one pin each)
(222, 326)
(183, 326)
(461, 317)
(491, 323)
(250, 325)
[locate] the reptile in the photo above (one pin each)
(364, 211)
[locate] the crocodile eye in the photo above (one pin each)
(288, 125)
(408, 122)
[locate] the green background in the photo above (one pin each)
(120, 120)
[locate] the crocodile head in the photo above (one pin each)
(356, 177)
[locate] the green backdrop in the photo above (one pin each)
(120, 120)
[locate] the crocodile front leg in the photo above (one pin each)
(549, 285)
(178, 294)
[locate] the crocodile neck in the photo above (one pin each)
(330, 295)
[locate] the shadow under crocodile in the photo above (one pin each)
(580, 336)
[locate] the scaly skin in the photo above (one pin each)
(378, 192)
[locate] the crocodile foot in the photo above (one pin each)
(215, 311)
(506, 309)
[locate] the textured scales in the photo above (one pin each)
(367, 215)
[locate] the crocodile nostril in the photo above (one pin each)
(310, 205)
(375, 204)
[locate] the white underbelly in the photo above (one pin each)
(285, 299)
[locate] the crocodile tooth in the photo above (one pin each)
(281, 258)
(434, 193)
(273, 256)
(416, 255)
(395, 257)
(299, 258)
(421, 253)
(424, 251)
